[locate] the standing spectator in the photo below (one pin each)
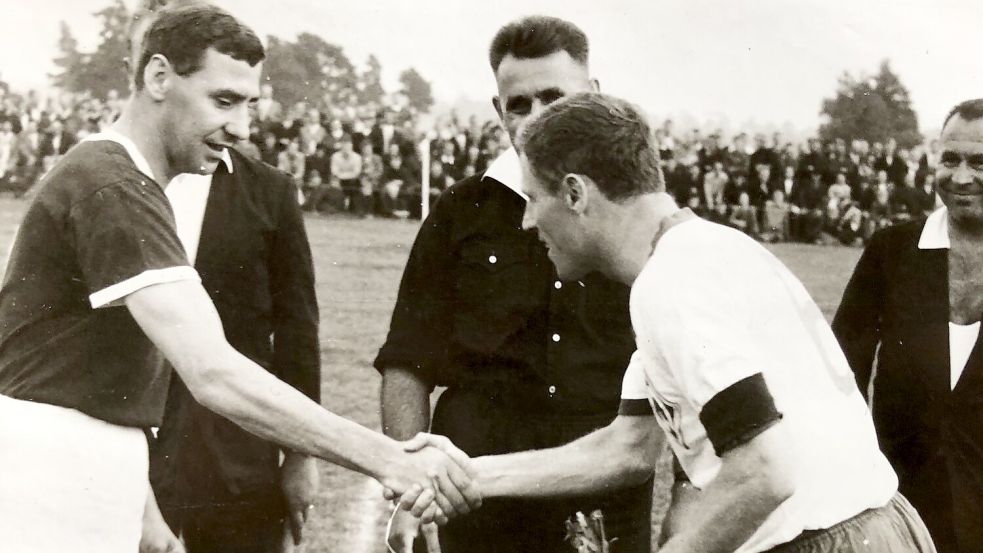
(54, 142)
(889, 162)
(312, 133)
(269, 149)
(8, 145)
(268, 110)
(928, 200)
(764, 155)
(292, 162)
(714, 184)
(384, 134)
(678, 180)
(346, 170)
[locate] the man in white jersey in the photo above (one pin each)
(745, 377)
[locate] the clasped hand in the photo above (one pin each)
(435, 480)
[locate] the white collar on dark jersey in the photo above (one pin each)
(935, 233)
(138, 158)
(506, 170)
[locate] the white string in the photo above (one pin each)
(389, 529)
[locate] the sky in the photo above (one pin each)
(717, 63)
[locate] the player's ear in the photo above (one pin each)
(497, 104)
(595, 85)
(574, 192)
(157, 76)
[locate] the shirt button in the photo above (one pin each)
(552, 390)
(492, 259)
(556, 337)
(558, 285)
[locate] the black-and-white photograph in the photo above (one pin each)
(522, 276)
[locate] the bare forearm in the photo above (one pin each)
(405, 404)
(246, 394)
(610, 458)
(727, 512)
(180, 320)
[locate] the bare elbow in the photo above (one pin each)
(205, 380)
(637, 455)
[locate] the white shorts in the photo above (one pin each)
(69, 482)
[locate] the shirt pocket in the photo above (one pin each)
(498, 289)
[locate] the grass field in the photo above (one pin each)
(359, 263)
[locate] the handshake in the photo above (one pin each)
(433, 480)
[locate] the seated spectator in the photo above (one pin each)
(880, 214)
(809, 201)
(776, 218)
(693, 202)
(718, 214)
(292, 161)
(323, 196)
(440, 179)
(450, 162)
(346, 170)
(850, 225)
(744, 216)
(372, 169)
(319, 161)
(736, 185)
(837, 201)
(397, 177)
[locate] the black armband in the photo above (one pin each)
(635, 408)
(739, 413)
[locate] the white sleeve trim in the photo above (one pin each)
(109, 296)
(633, 385)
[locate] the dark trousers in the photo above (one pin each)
(250, 525)
(481, 424)
(893, 528)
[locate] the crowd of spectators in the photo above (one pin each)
(35, 131)
(366, 161)
(818, 192)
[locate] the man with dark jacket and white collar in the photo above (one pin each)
(529, 361)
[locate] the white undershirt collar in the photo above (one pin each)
(506, 170)
(935, 233)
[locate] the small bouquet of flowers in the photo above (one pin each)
(586, 534)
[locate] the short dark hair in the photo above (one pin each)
(970, 110)
(600, 136)
(182, 34)
(537, 36)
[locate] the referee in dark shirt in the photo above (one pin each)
(529, 361)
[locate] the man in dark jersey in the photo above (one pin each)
(98, 289)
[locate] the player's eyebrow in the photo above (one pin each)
(231, 95)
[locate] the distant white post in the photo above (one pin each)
(424, 147)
